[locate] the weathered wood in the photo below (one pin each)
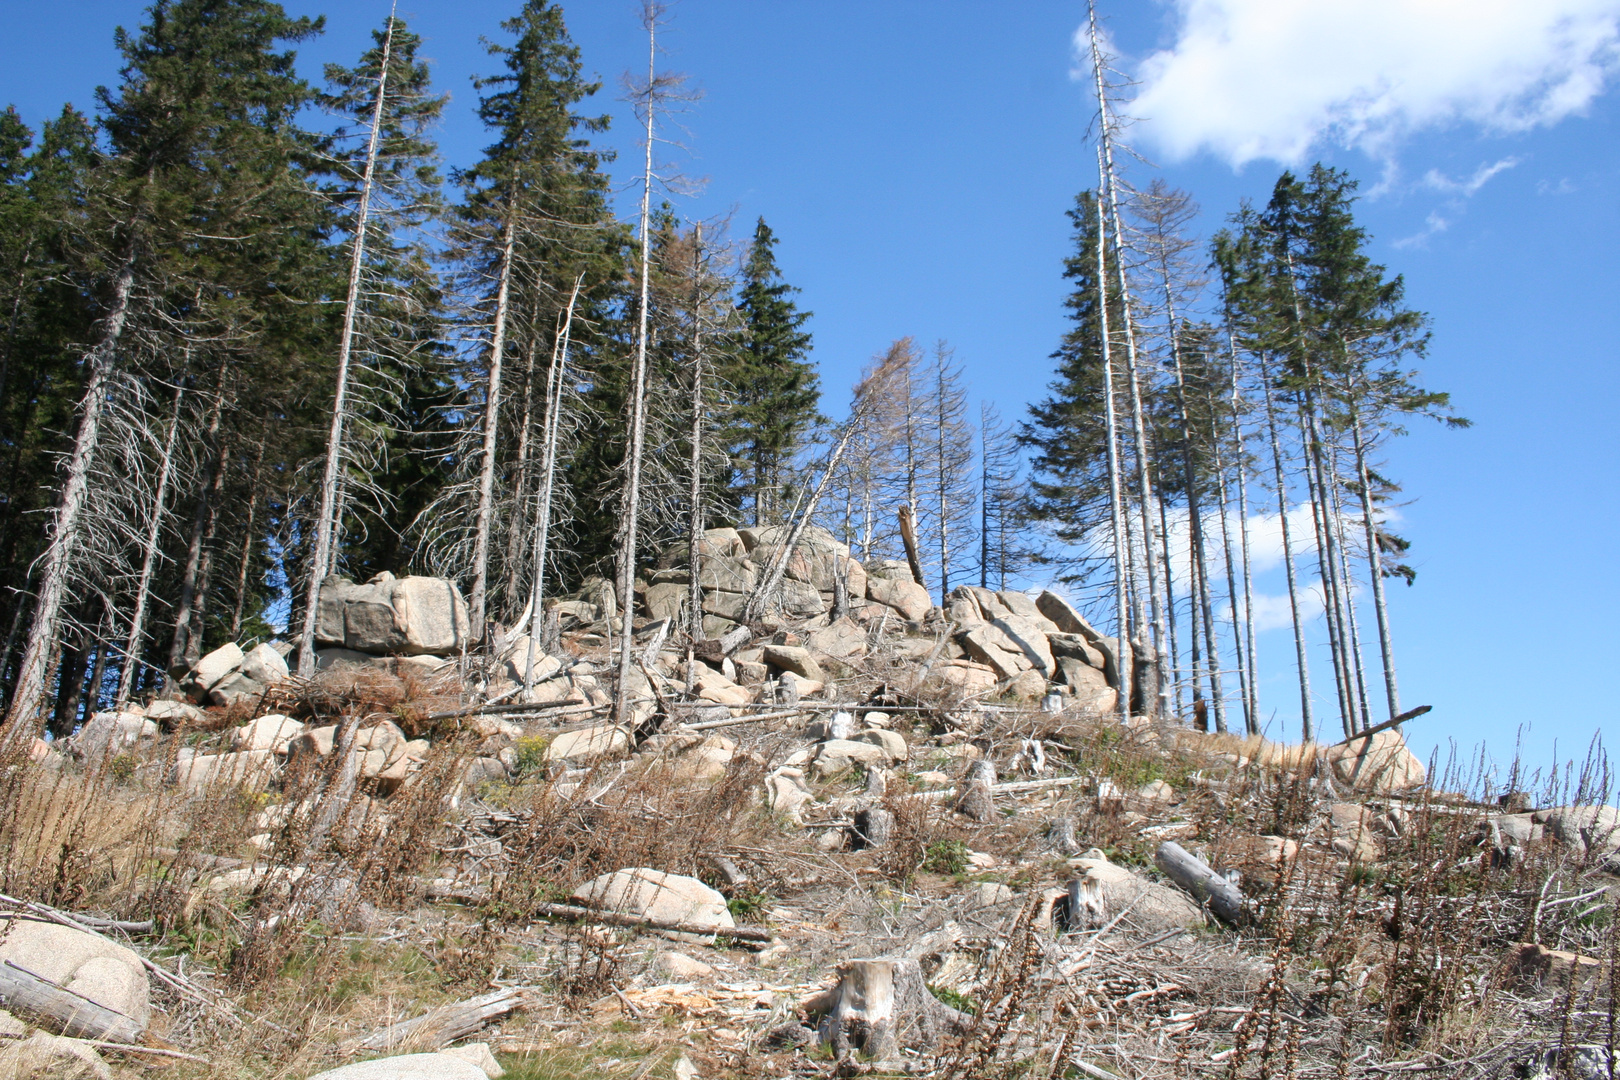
(490, 710)
(1409, 714)
(445, 1024)
(61, 1010)
(714, 650)
(710, 725)
(880, 1006)
(908, 536)
(1206, 886)
(614, 918)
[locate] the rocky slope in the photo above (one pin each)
(876, 837)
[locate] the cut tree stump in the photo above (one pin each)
(1206, 886)
(976, 800)
(880, 1006)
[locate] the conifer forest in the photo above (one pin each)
(256, 332)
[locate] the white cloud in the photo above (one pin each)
(1439, 181)
(1249, 79)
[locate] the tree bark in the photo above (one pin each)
(1110, 192)
(1376, 567)
(61, 1010)
(1116, 506)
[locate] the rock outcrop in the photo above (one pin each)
(389, 616)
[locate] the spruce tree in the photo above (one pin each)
(777, 388)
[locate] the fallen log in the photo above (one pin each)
(880, 1006)
(638, 922)
(444, 1024)
(1206, 886)
(754, 718)
(60, 1010)
(478, 894)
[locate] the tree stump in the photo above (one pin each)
(880, 1006)
(975, 801)
(874, 828)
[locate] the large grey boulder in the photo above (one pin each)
(264, 664)
(89, 965)
(393, 616)
(907, 597)
(212, 669)
(1378, 763)
(111, 732)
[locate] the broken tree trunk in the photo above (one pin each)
(880, 1006)
(908, 534)
(61, 1010)
(445, 1024)
(1206, 886)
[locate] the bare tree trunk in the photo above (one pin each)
(638, 409)
(1331, 611)
(694, 531)
(1138, 424)
(1376, 567)
(70, 683)
(492, 418)
(135, 643)
(98, 670)
(1243, 668)
(326, 517)
(247, 542)
(1176, 681)
(548, 475)
(21, 722)
(1301, 657)
(1252, 700)
(908, 537)
(1116, 503)
(202, 529)
(520, 476)
(1341, 567)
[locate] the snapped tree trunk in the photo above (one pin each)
(908, 536)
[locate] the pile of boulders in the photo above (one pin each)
(1004, 641)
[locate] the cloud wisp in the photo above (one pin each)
(1252, 79)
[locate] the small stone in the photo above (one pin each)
(680, 967)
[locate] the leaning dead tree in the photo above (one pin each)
(868, 392)
(136, 641)
(326, 517)
(555, 377)
(68, 521)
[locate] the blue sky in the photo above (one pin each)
(915, 160)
